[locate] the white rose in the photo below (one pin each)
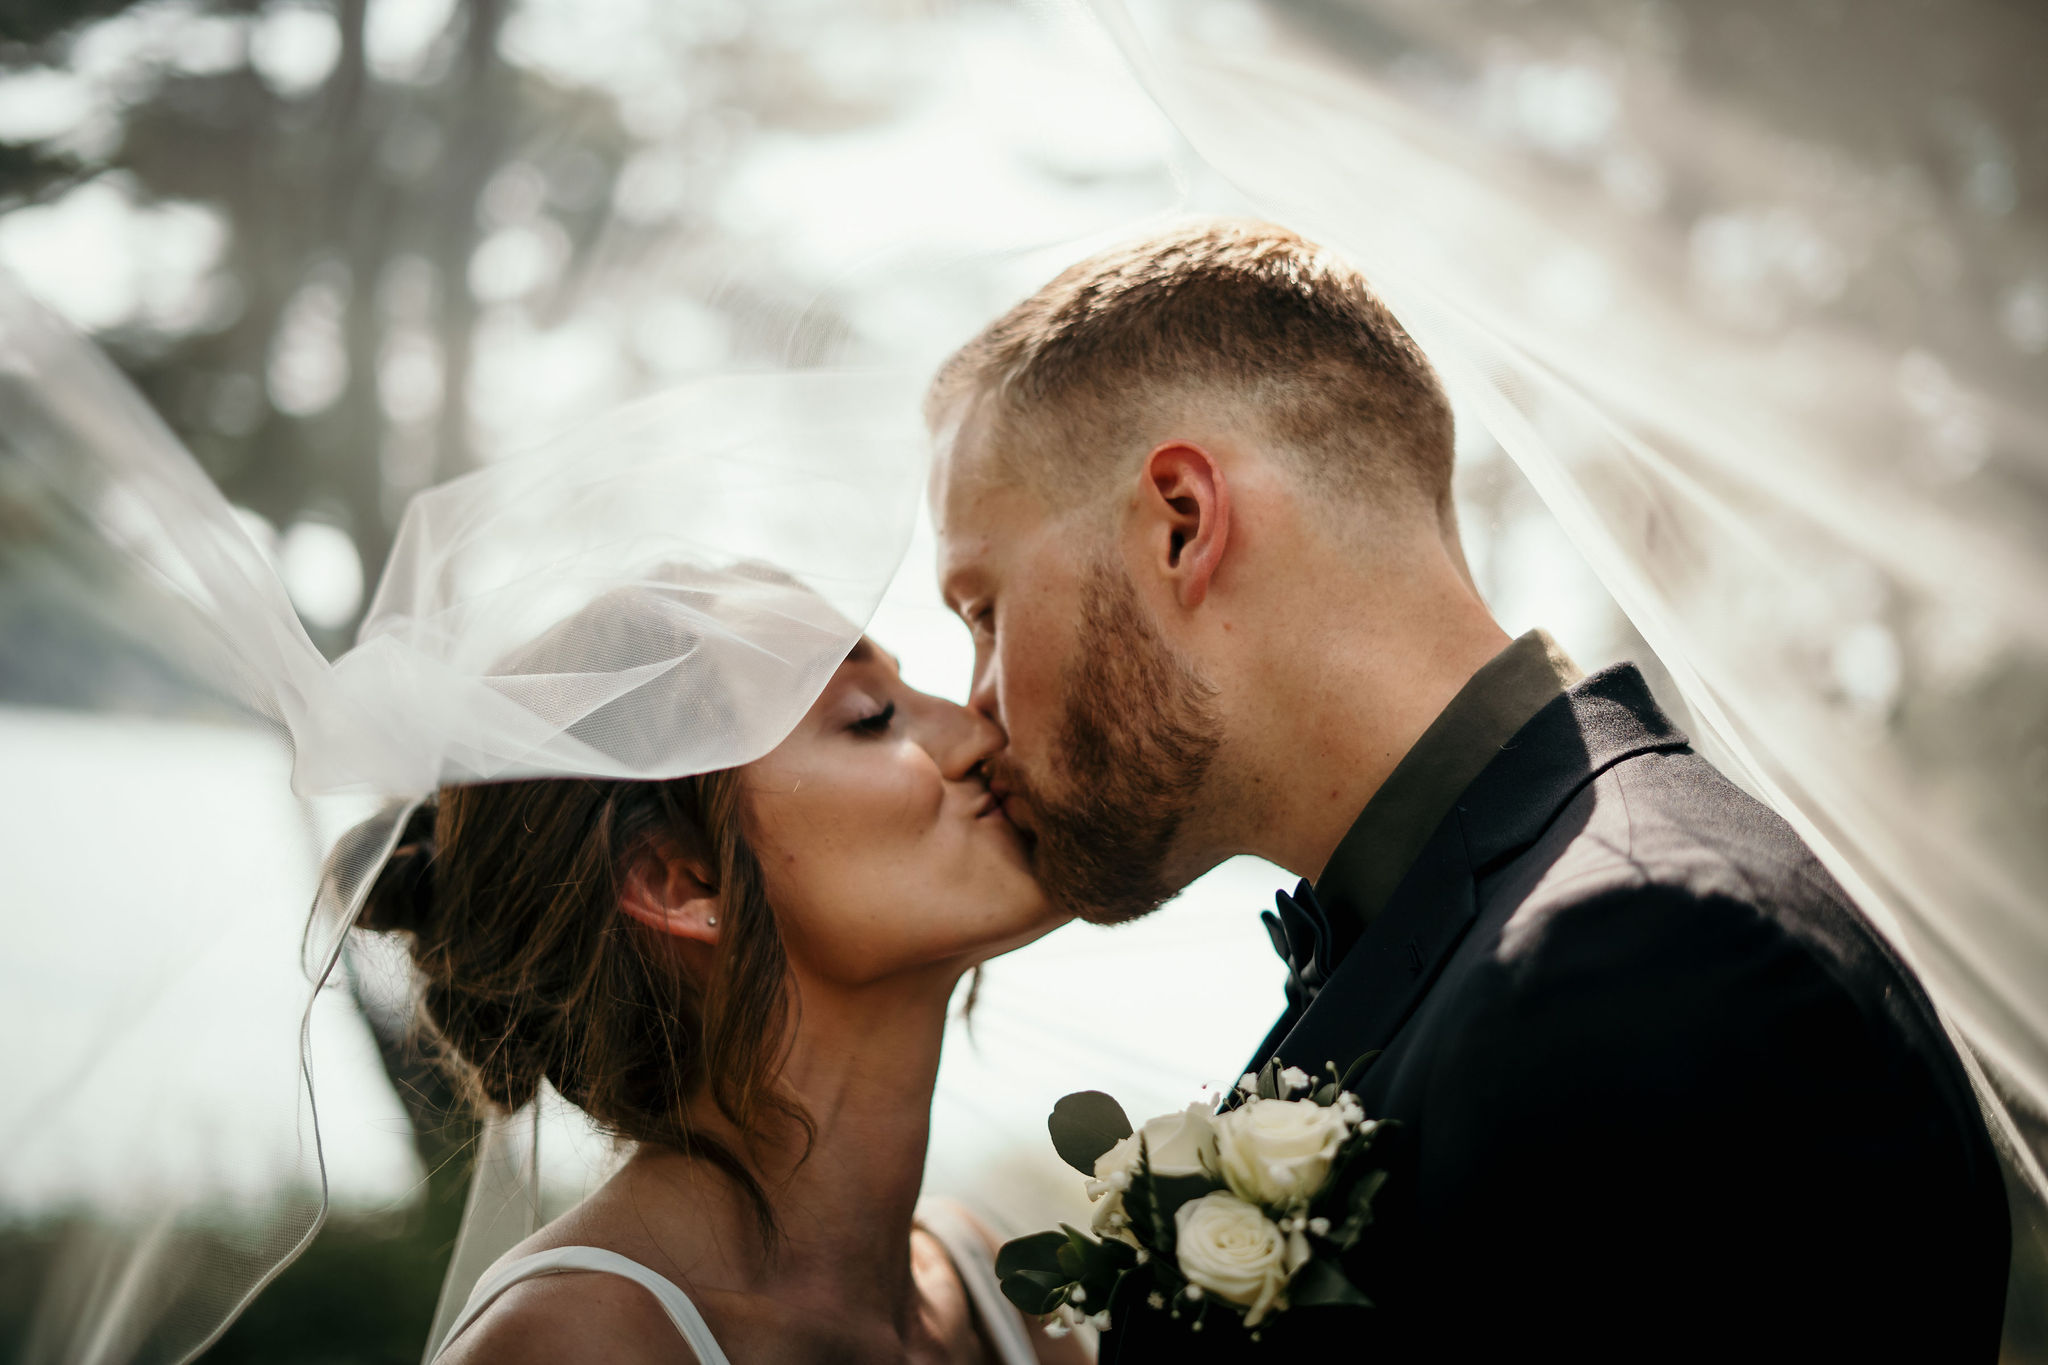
(1183, 1143)
(1230, 1248)
(1278, 1152)
(1178, 1144)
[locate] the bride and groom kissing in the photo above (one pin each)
(1653, 1087)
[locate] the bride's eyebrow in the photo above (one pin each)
(866, 651)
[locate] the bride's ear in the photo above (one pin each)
(673, 893)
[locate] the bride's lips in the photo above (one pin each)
(1006, 803)
(992, 807)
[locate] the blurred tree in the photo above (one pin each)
(387, 216)
(324, 378)
(324, 381)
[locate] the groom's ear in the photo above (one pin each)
(1185, 506)
(670, 892)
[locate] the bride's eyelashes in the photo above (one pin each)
(876, 723)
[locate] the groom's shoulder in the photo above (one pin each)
(1668, 924)
(1662, 859)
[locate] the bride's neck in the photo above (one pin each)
(861, 1067)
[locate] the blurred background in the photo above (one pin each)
(348, 250)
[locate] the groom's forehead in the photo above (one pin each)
(974, 491)
(977, 521)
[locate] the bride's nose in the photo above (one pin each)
(961, 740)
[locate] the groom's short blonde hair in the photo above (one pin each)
(1078, 377)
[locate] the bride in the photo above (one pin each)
(745, 973)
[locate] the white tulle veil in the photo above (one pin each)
(694, 567)
(1790, 502)
(1820, 513)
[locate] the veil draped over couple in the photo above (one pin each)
(663, 831)
(1653, 1084)
(1193, 502)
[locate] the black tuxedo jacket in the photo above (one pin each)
(1664, 1094)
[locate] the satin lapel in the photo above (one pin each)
(1609, 717)
(1390, 969)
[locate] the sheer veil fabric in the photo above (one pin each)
(1819, 507)
(661, 593)
(1787, 498)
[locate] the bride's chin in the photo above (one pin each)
(1027, 933)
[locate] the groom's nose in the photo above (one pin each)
(982, 692)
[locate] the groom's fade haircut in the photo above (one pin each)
(1080, 374)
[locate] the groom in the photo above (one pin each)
(1663, 1093)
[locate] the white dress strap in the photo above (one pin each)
(968, 1249)
(562, 1260)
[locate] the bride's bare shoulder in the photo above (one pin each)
(572, 1317)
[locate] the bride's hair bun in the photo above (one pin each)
(526, 971)
(402, 897)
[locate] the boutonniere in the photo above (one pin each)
(1253, 1208)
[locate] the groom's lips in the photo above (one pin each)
(1012, 807)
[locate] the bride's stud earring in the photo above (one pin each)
(711, 920)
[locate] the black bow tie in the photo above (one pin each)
(1307, 940)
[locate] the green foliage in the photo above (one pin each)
(1042, 1271)
(363, 1292)
(1321, 1284)
(1084, 1125)
(38, 21)
(1036, 1292)
(1039, 1251)
(1355, 1181)
(1352, 1073)
(1266, 1083)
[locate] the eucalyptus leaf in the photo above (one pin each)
(1358, 1202)
(1357, 1069)
(1039, 1251)
(1084, 1125)
(1117, 1254)
(1076, 1253)
(1363, 1193)
(1034, 1291)
(1320, 1284)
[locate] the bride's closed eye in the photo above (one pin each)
(875, 723)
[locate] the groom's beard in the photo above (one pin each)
(1136, 738)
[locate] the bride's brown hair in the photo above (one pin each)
(530, 971)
